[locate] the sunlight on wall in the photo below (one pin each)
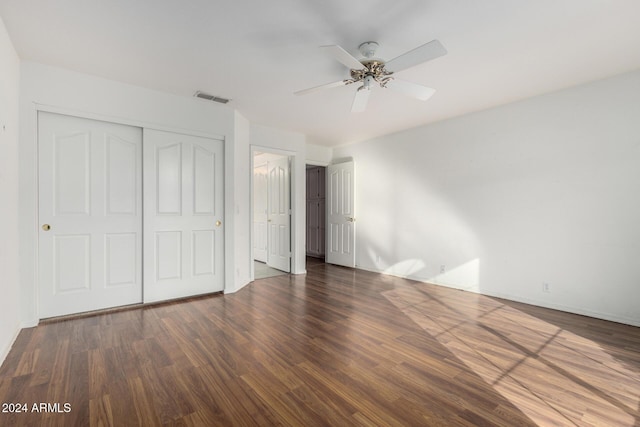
(416, 233)
(537, 189)
(465, 276)
(405, 268)
(507, 348)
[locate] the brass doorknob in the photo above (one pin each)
(218, 223)
(46, 227)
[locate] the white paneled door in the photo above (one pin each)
(279, 215)
(90, 213)
(341, 227)
(183, 215)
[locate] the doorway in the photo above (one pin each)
(271, 214)
(315, 225)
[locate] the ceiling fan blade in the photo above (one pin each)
(360, 100)
(343, 56)
(424, 53)
(410, 89)
(319, 88)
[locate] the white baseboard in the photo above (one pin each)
(7, 349)
(570, 309)
(545, 304)
(29, 323)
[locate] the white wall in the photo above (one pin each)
(241, 205)
(248, 138)
(545, 190)
(63, 91)
(318, 155)
(9, 261)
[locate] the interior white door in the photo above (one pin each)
(279, 215)
(341, 227)
(184, 206)
(260, 198)
(90, 213)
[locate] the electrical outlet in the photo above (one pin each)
(443, 268)
(545, 287)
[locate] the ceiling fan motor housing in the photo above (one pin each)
(373, 70)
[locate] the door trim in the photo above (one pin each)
(122, 121)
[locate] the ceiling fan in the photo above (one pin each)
(370, 70)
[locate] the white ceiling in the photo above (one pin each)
(259, 52)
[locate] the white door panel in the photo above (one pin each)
(279, 235)
(121, 259)
(123, 172)
(90, 195)
(341, 215)
(183, 230)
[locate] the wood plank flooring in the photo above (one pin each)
(334, 347)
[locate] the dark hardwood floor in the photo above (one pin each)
(334, 347)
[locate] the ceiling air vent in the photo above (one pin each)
(208, 97)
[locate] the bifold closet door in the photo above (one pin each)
(183, 215)
(90, 214)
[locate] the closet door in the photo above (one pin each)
(90, 213)
(183, 215)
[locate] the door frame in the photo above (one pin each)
(291, 155)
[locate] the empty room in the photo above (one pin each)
(376, 213)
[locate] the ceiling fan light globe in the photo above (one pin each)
(366, 82)
(368, 49)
